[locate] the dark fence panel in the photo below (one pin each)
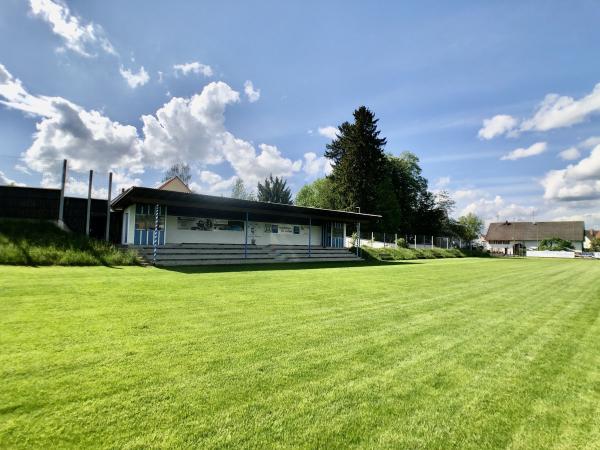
(29, 203)
(43, 204)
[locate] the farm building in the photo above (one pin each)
(211, 228)
(513, 237)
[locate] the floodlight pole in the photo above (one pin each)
(89, 205)
(61, 204)
(108, 206)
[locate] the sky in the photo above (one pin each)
(499, 100)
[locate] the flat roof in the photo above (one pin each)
(149, 195)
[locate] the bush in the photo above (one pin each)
(401, 243)
(43, 243)
(555, 244)
(400, 254)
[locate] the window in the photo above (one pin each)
(145, 219)
(296, 229)
(274, 228)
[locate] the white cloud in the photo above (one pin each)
(497, 209)
(464, 194)
(579, 181)
(328, 131)
(535, 149)
(87, 139)
(135, 79)
(570, 154)
(183, 129)
(252, 93)
(22, 169)
(193, 67)
(252, 167)
(591, 142)
(78, 36)
(16, 97)
(189, 129)
(442, 182)
(497, 125)
(557, 111)
(212, 183)
(316, 166)
(4, 180)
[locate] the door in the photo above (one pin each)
(145, 222)
(337, 235)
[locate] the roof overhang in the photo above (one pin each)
(170, 198)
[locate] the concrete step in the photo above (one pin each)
(315, 255)
(204, 251)
(195, 257)
(207, 262)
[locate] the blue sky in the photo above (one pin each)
(487, 94)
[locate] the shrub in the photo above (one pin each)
(400, 254)
(401, 243)
(43, 243)
(555, 244)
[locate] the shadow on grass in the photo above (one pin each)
(278, 266)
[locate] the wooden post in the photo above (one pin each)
(61, 204)
(108, 207)
(309, 236)
(432, 242)
(89, 205)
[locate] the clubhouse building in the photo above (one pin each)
(196, 221)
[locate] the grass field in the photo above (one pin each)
(462, 353)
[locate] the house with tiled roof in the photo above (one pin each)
(513, 237)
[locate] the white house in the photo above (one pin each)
(513, 237)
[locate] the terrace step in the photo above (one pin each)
(206, 254)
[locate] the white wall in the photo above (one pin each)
(550, 254)
(177, 236)
(577, 246)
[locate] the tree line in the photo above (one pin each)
(367, 179)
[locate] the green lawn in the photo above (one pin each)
(462, 353)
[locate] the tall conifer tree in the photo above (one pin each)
(358, 161)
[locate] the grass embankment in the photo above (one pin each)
(440, 354)
(404, 254)
(43, 243)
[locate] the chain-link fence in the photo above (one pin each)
(417, 241)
